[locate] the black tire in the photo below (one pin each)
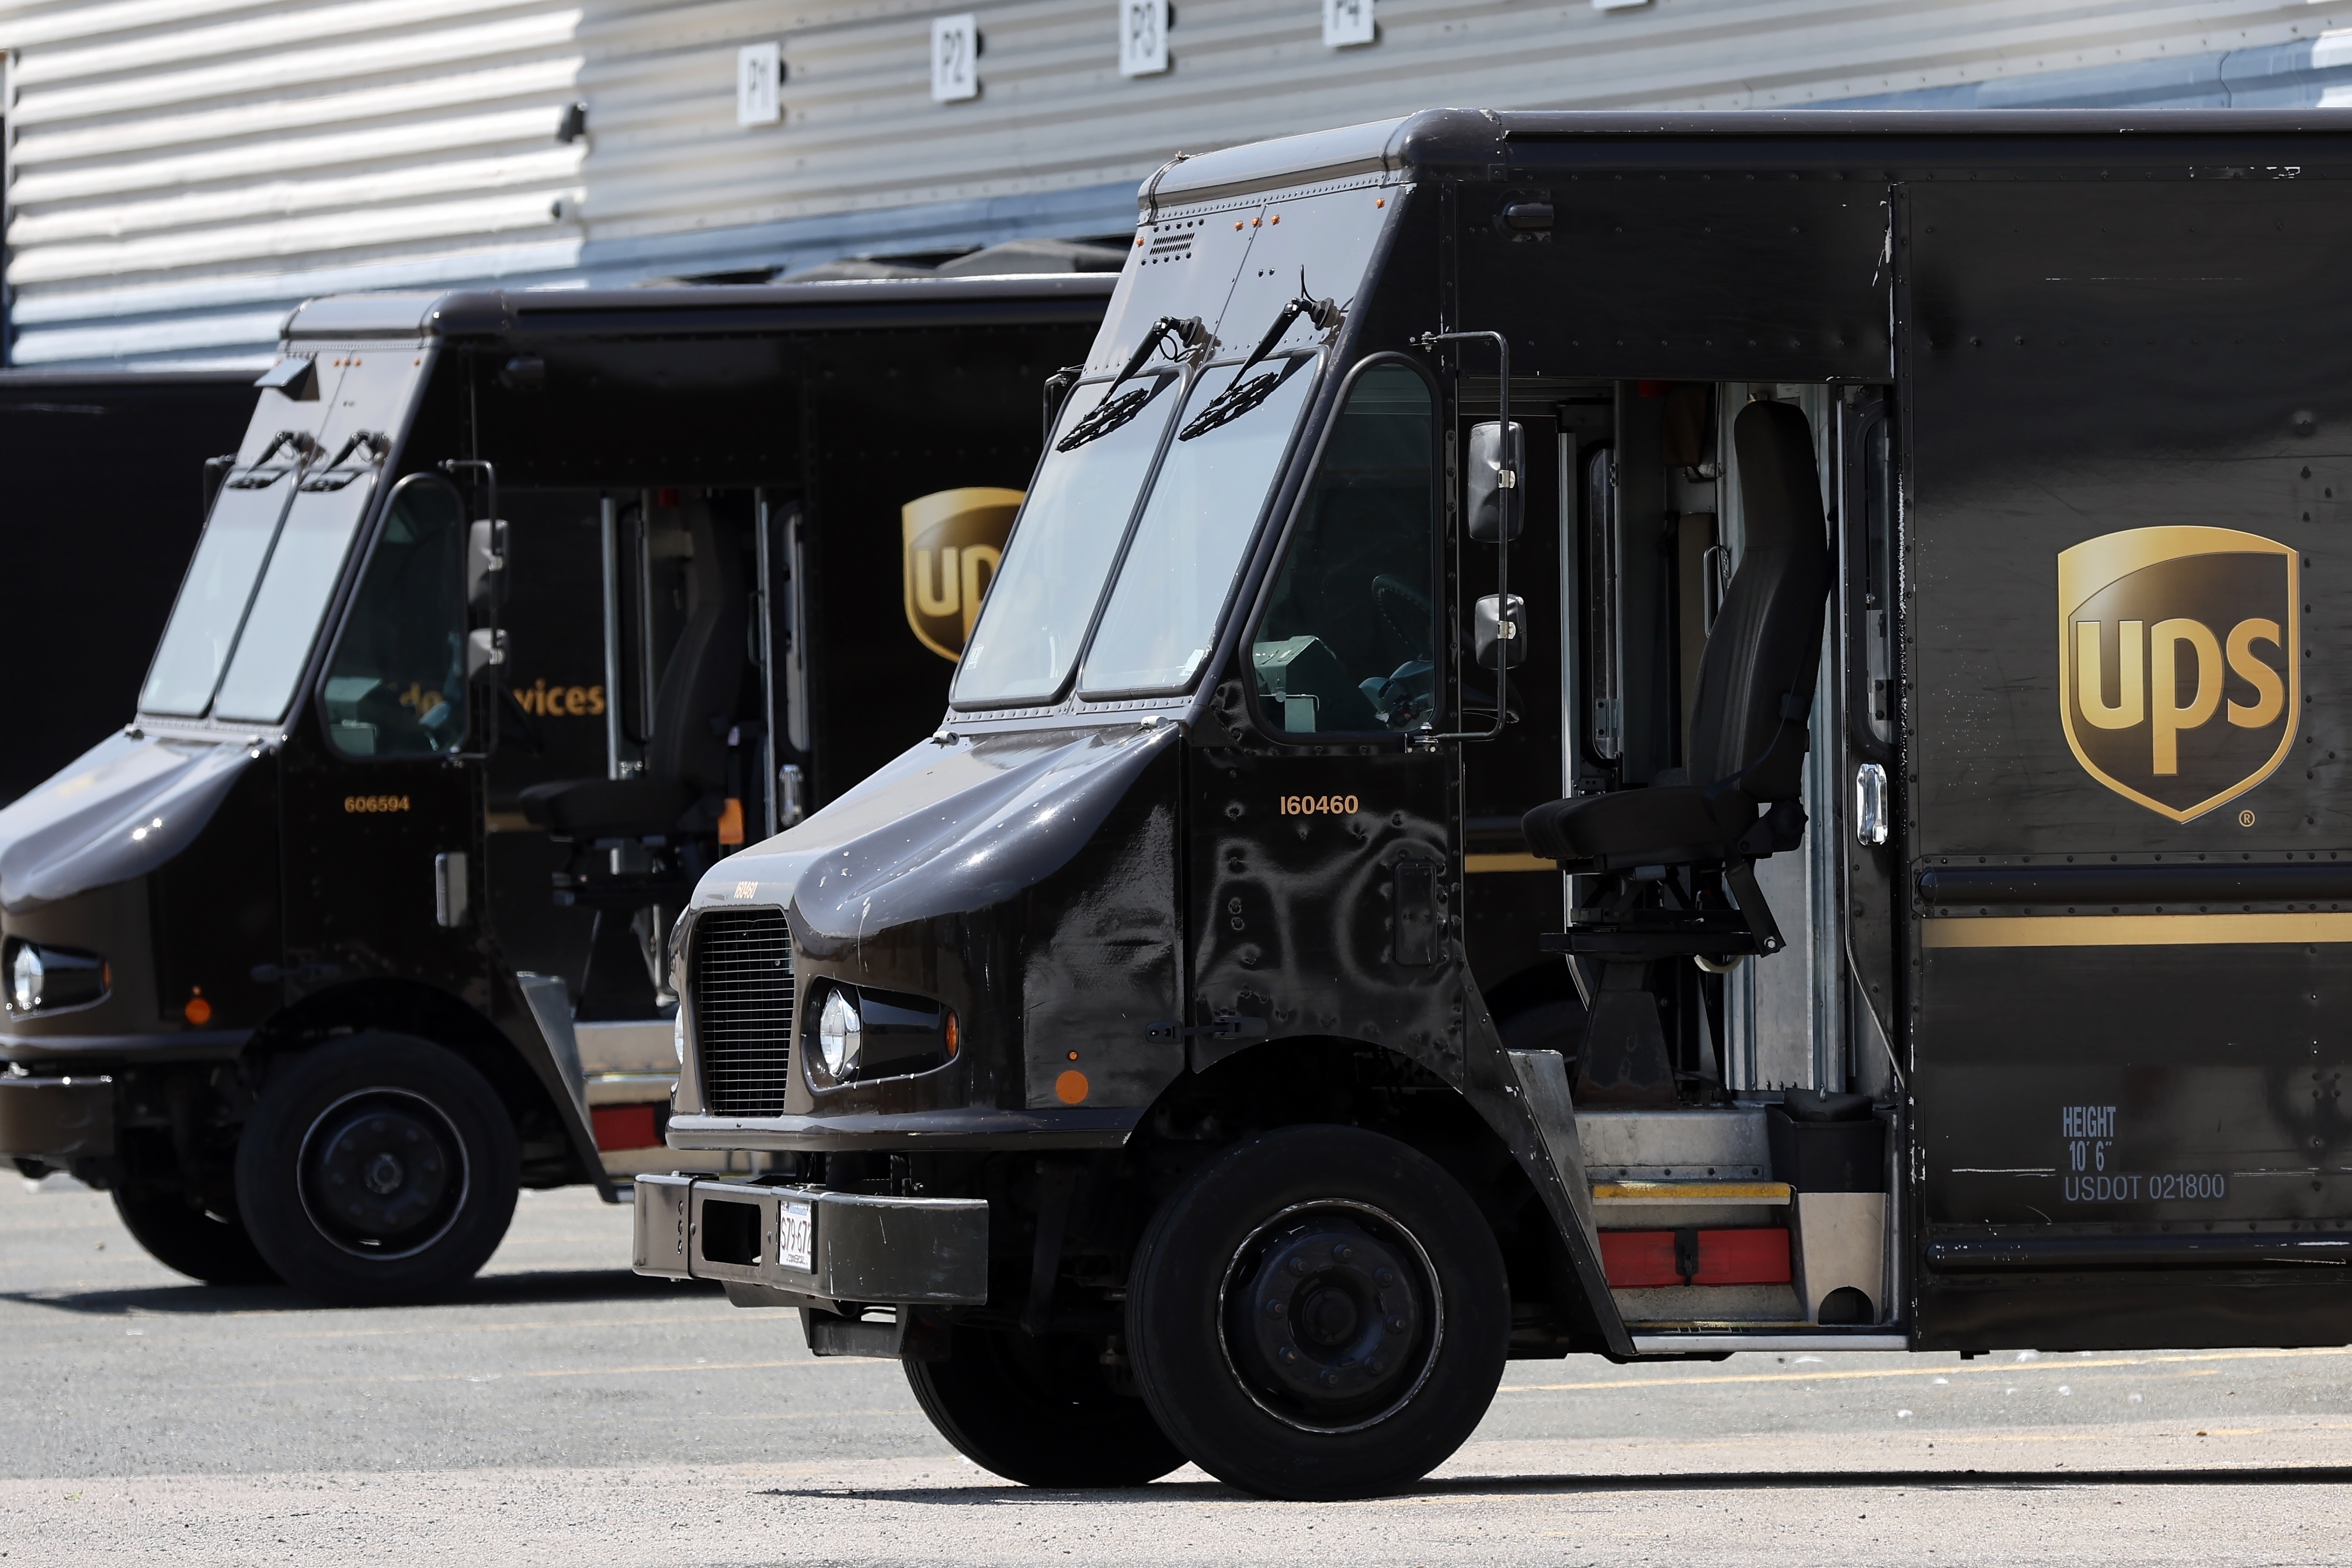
(376, 1168)
(1320, 1312)
(180, 1235)
(1040, 1413)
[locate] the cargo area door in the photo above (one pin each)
(2129, 843)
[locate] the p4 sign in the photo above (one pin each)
(2177, 648)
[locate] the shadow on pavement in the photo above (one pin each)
(1731, 1480)
(536, 1287)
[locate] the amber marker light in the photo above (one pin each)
(1070, 1087)
(198, 1011)
(953, 1036)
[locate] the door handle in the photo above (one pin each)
(1870, 804)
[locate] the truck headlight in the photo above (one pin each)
(864, 1034)
(25, 975)
(839, 1035)
(43, 978)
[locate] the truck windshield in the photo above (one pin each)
(1189, 546)
(1061, 551)
(293, 600)
(277, 540)
(213, 600)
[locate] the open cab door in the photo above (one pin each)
(1725, 553)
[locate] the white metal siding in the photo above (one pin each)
(185, 170)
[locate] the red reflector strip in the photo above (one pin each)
(1635, 1259)
(624, 1128)
(1632, 1259)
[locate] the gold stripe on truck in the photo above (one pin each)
(2135, 930)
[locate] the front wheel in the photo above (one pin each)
(1320, 1312)
(178, 1233)
(1039, 1411)
(376, 1168)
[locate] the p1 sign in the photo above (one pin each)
(758, 81)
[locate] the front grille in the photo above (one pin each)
(741, 987)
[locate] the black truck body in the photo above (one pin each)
(513, 614)
(1907, 707)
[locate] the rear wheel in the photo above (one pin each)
(1040, 1413)
(178, 1233)
(1320, 1312)
(376, 1168)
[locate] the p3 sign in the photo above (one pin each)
(2177, 648)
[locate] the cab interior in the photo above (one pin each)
(1706, 566)
(633, 752)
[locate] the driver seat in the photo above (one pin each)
(686, 761)
(1677, 858)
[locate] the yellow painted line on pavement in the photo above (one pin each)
(110, 1325)
(2073, 1363)
(804, 1364)
(716, 1316)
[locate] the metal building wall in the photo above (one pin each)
(183, 171)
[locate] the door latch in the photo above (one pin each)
(1870, 804)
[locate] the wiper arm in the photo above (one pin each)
(1115, 410)
(1240, 397)
(259, 475)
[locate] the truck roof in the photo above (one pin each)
(721, 308)
(1481, 143)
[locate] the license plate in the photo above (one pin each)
(796, 1236)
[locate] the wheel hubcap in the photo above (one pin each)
(382, 1173)
(1331, 1317)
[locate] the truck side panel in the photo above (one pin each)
(2130, 438)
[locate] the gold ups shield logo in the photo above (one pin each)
(2177, 648)
(954, 540)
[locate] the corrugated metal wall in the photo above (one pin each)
(185, 170)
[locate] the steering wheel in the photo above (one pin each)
(1405, 611)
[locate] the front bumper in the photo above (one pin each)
(20, 1041)
(848, 1248)
(55, 1119)
(977, 1127)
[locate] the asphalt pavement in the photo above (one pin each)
(562, 1410)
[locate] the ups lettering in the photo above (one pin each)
(2152, 671)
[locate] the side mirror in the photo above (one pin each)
(1057, 392)
(1492, 475)
(486, 652)
(486, 564)
(1499, 631)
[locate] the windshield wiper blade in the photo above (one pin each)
(1115, 410)
(1240, 396)
(259, 475)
